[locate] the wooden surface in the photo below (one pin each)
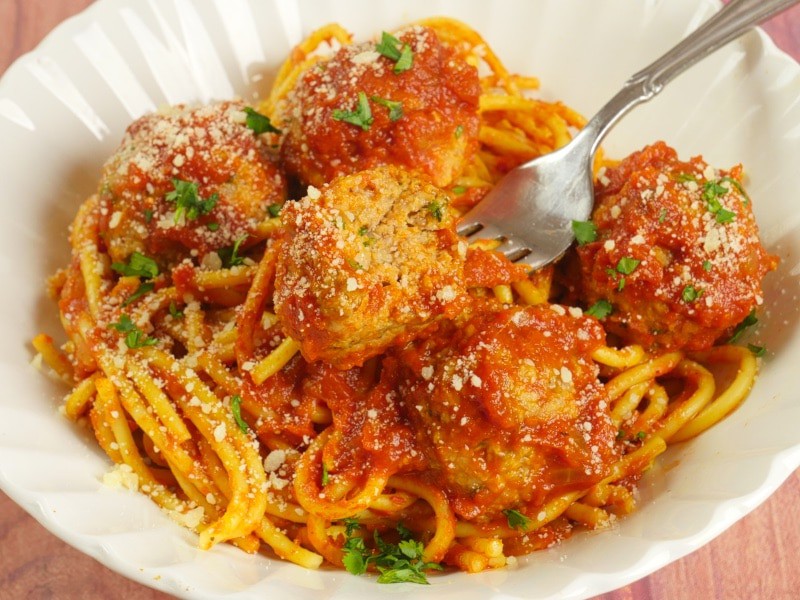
(758, 558)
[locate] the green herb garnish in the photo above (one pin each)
(229, 255)
(144, 288)
(627, 265)
(236, 409)
(174, 312)
(396, 563)
(585, 232)
(274, 210)
(361, 117)
(707, 265)
(436, 210)
(748, 321)
(212, 226)
(712, 191)
(188, 202)
(135, 338)
(757, 350)
(395, 107)
(138, 265)
(325, 476)
(459, 131)
(259, 123)
(395, 50)
(600, 309)
(690, 293)
(516, 520)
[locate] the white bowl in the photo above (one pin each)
(64, 107)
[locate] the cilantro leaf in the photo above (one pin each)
(516, 520)
(585, 232)
(259, 123)
(361, 117)
(600, 309)
(236, 409)
(395, 107)
(188, 202)
(138, 265)
(459, 131)
(274, 210)
(758, 351)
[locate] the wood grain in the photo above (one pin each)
(757, 558)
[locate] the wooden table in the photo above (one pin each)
(758, 558)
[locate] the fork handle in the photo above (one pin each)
(727, 24)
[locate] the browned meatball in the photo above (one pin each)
(186, 179)
(369, 257)
(509, 407)
(677, 253)
(425, 117)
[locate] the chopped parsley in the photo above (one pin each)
(363, 230)
(360, 117)
(144, 288)
(758, 351)
(138, 265)
(259, 123)
(188, 202)
(274, 210)
(212, 226)
(707, 265)
(585, 232)
(684, 177)
(135, 338)
(748, 321)
(662, 216)
(148, 215)
(516, 520)
(459, 131)
(396, 563)
(691, 293)
(436, 210)
(459, 190)
(627, 265)
(395, 107)
(229, 255)
(236, 409)
(712, 191)
(174, 312)
(393, 49)
(325, 476)
(600, 309)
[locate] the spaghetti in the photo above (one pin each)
(458, 410)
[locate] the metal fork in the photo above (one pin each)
(532, 208)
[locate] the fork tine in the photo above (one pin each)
(514, 250)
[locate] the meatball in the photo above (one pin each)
(677, 252)
(509, 409)
(369, 257)
(186, 179)
(424, 117)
